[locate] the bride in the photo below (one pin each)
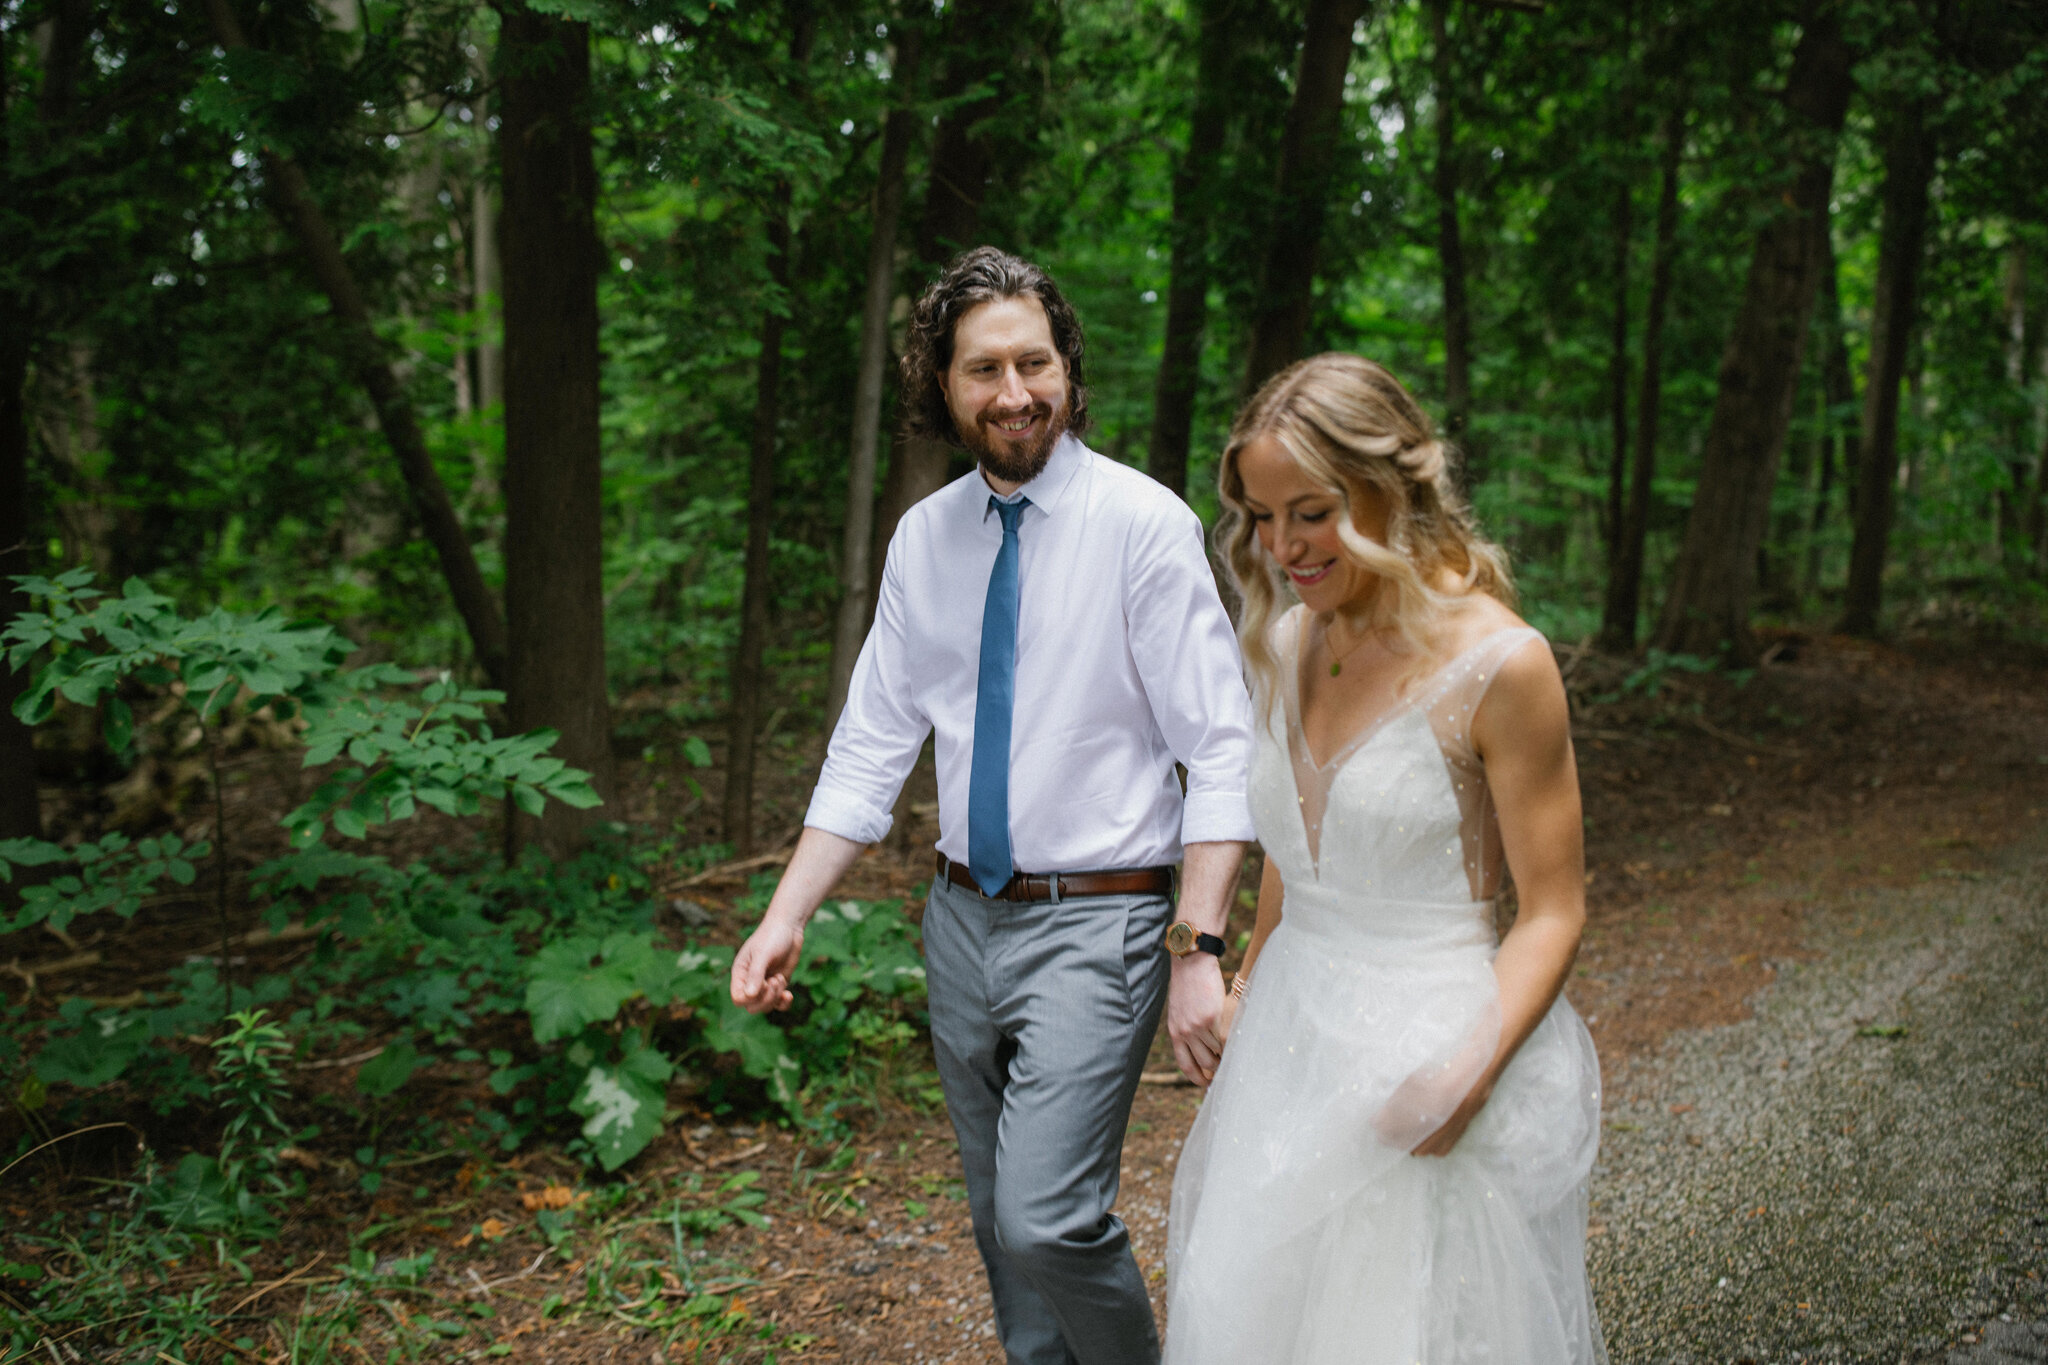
(1391, 1162)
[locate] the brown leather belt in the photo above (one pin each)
(1027, 886)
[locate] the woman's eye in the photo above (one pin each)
(1313, 517)
(1262, 517)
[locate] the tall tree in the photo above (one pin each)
(1308, 150)
(1450, 246)
(1187, 290)
(293, 200)
(1708, 608)
(856, 574)
(554, 566)
(1838, 396)
(1909, 156)
(1623, 601)
(988, 51)
(20, 811)
(747, 677)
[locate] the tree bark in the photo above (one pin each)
(1838, 394)
(293, 201)
(1632, 527)
(1715, 579)
(981, 43)
(748, 678)
(856, 574)
(1617, 372)
(1902, 235)
(1308, 147)
(744, 713)
(2015, 498)
(1450, 248)
(554, 579)
(1187, 290)
(20, 810)
(490, 354)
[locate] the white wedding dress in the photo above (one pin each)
(1302, 1232)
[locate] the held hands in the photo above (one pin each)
(761, 970)
(1196, 1019)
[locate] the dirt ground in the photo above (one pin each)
(1717, 809)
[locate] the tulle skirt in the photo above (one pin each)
(1302, 1231)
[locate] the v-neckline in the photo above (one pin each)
(1297, 721)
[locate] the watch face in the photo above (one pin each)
(1180, 939)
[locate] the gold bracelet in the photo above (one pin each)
(1238, 983)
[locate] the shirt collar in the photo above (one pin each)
(1054, 482)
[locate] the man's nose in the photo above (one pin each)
(1014, 394)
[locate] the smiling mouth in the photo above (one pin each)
(1315, 575)
(1014, 426)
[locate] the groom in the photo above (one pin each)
(1052, 617)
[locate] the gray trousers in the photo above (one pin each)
(1042, 1013)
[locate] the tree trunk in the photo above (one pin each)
(1450, 248)
(981, 44)
(1902, 234)
(554, 579)
(1308, 146)
(1617, 374)
(293, 201)
(856, 574)
(490, 355)
(20, 812)
(1632, 528)
(743, 716)
(1187, 290)
(2015, 498)
(1838, 395)
(1708, 609)
(748, 679)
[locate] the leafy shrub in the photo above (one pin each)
(568, 951)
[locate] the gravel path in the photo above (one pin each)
(1859, 1172)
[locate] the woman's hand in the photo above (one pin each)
(1227, 1017)
(1446, 1137)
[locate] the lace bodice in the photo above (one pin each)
(1400, 811)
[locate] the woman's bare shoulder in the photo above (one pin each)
(1473, 619)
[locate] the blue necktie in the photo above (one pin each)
(988, 782)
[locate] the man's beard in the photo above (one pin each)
(1006, 462)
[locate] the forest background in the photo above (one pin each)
(545, 352)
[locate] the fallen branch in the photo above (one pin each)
(1162, 1078)
(1730, 737)
(723, 871)
(342, 1061)
(261, 1290)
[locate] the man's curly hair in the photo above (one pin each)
(982, 275)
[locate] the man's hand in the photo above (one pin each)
(1194, 1016)
(766, 961)
(769, 957)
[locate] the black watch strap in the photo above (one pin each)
(1183, 938)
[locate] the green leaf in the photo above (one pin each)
(570, 989)
(696, 752)
(388, 1070)
(119, 723)
(623, 1105)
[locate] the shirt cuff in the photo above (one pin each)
(1216, 817)
(846, 815)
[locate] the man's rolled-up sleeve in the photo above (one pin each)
(1188, 659)
(880, 731)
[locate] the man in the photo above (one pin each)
(1052, 617)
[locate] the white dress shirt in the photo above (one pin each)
(1126, 663)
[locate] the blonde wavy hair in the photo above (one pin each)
(1350, 425)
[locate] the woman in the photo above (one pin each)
(1391, 1162)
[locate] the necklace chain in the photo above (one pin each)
(1336, 659)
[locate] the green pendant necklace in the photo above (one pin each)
(1336, 659)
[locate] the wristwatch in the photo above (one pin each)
(1183, 938)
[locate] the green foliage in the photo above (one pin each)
(436, 751)
(113, 874)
